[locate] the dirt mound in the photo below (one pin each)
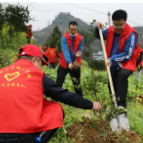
(94, 131)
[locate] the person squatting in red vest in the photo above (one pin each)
(52, 55)
(29, 34)
(122, 51)
(25, 113)
(70, 57)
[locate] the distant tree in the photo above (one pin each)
(55, 39)
(17, 16)
(13, 19)
(88, 39)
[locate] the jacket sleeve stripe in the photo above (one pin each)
(129, 52)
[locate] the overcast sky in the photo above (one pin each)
(45, 13)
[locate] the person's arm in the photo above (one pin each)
(129, 47)
(80, 48)
(81, 44)
(53, 90)
(104, 32)
(65, 50)
(46, 53)
(46, 59)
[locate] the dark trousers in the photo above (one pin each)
(75, 75)
(27, 138)
(120, 82)
(53, 65)
(28, 39)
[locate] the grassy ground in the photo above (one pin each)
(135, 109)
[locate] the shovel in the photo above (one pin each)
(120, 120)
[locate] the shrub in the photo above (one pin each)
(97, 65)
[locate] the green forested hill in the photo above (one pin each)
(62, 20)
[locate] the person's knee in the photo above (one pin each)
(123, 74)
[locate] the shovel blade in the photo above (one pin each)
(114, 124)
(123, 122)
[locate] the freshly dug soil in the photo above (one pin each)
(93, 131)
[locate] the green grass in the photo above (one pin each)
(135, 109)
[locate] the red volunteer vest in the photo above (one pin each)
(23, 107)
(29, 34)
(77, 42)
(130, 64)
(51, 54)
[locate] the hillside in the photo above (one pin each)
(62, 21)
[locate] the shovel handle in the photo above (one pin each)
(108, 68)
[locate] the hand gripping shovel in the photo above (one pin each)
(120, 120)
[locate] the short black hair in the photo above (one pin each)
(74, 23)
(119, 14)
(25, 57)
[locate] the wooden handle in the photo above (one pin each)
(108, 68)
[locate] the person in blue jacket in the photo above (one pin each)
(122, 52)
(70, 57)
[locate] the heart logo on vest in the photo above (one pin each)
(52, 52)
(11, 76)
